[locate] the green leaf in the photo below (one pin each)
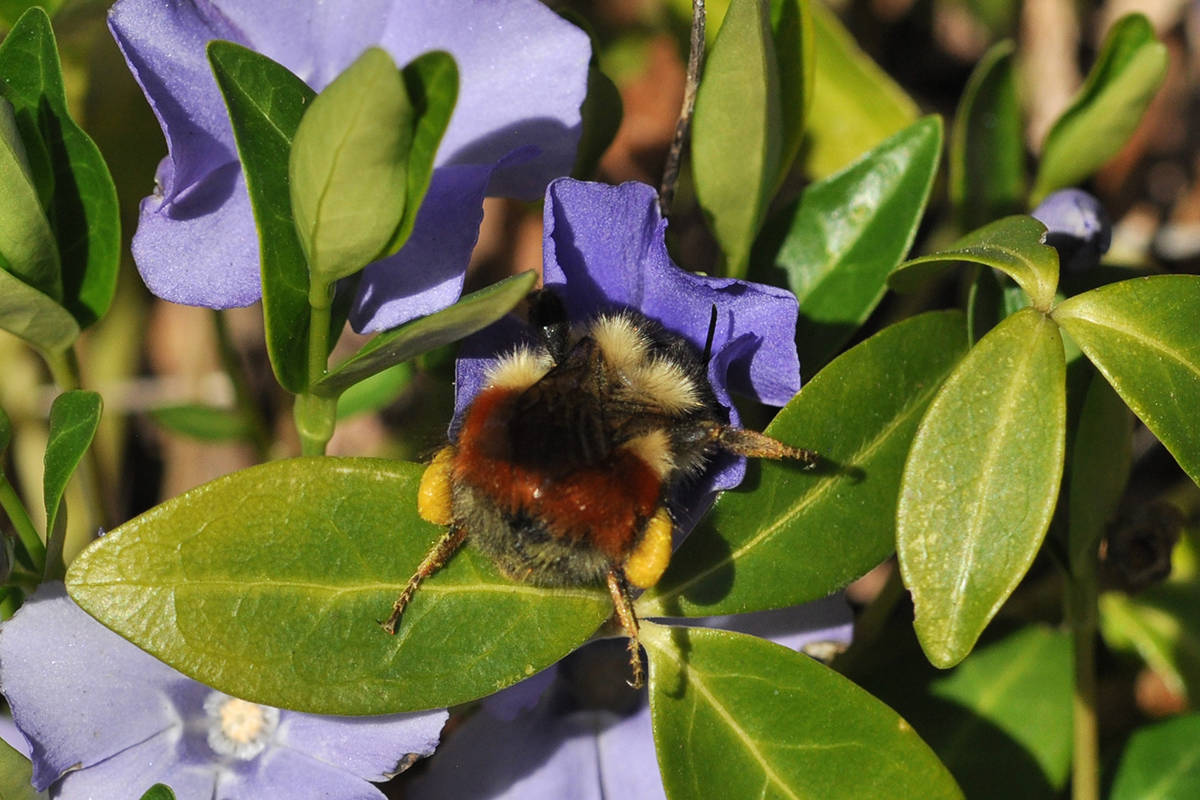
(1101, 455)
(11, 10)
(375, 392)
(855, 105)
(987, 150)
(36, 318)
(5, 434)
(798, 535)
(601, 113)
(348, 168)
(1025, 676)
(981, 482)
(795, 52)
(473, 313)
(27, 247)
(1103, 115)
(1014, 245)
(16, 775)
(847, 232)
(265, 103)
(269, 584)
(74, 417)
(1141, 335)
(1161, 761)
(431, 80)
(83, 213)
(738, 716)
(159, 791)
(207, 423)
(736, 130)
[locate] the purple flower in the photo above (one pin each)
(523, 75)
(603, 249)
(589, 736)
(1076, 226)
(111, 720)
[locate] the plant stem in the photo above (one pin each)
(666, 192)
(316, 416)
(1082, 612)
(260, 436)
(26, 533)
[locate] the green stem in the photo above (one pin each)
(316, 416)
(260, 435)
(1082, 612)
(26, 533)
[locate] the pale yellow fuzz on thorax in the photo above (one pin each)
(433, 495)
(666, 385)
(654, 448)
(654, 381)
(623, 345)
(519, 370)
(649, 560)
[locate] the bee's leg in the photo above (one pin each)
(623, 605)
(439, 555)
(753, 444)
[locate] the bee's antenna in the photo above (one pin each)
(712, 329)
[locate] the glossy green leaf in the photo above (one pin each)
(736, 130)
(36, 318)
(348, 168)
(11, 10)
(738, 716)
(987, 150)
(431, 80)
(83, 213)
(16, 775)
(269, 584)
(855, 105)
(981, 482)
(198, 421)
(1161, 762)
(1160, 623)
(1025, 676)
(1103, 115)
(1141, 334)
(795, 53)
(265, 103)
(847, 232)
(27, 247)
(1014, 245)
(473, 313)
(159, 791)
(1101, 456)
(74, 417)
(789, 535)
(376, 391)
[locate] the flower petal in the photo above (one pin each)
(427, 274)
(372, 748)
(282, 774)
(131, 772)
(120, 695)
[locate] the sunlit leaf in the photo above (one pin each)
(855, 104)
(743, 717)
(473, 313)
(1161, 761)
(16, 775)
(1141, 334)
(788, 535)
(847, 232)
(1014, 245)
(269, 584)
(1103, 115)
(27, 247)
(987, 149)
(981, 482)
(74, 417)
(795, 53)
(265, 103)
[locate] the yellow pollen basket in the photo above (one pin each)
(647, 563)
(433, 496)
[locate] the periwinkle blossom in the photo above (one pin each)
(1076, 226)
(523, 75)
(103, 719)
(603, 249)
(587, 736)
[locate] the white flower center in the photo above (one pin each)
(238, 728)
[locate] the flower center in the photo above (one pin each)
(238, 728)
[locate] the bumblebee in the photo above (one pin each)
(564, 463)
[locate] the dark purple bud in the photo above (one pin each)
(1077, 227)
